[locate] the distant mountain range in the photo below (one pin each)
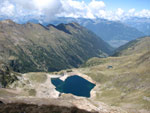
(34, 47)
(113, 32)
(142, 24)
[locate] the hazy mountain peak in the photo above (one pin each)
(32, 24)
(50, 25)
(8, 21)
(63, 27)
(35, 26)
(74, 24)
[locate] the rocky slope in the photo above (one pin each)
(33, 47)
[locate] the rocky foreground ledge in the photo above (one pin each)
(20, 107)
(47, 105)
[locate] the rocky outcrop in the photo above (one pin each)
(6, 76)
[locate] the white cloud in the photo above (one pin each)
(17, 9)
(143, 13)
(102, 13)
(96, 5)
(74, 4)
(73, 8)
(48, 9)
(7, 9)
(76, 9)
(119, 12)
(96, 8)
(131, 10)
(45, 8)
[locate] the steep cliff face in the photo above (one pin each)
(33, 47)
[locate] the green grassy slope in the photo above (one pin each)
(127, 83)
(136, 46)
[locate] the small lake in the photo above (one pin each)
(75, 85)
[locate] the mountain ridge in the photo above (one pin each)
(39, 48)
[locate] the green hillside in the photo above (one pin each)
(124, 80)
(136, 46)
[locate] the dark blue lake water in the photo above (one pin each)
(75, 85)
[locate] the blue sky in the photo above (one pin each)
(47, 10)
(125, 4)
